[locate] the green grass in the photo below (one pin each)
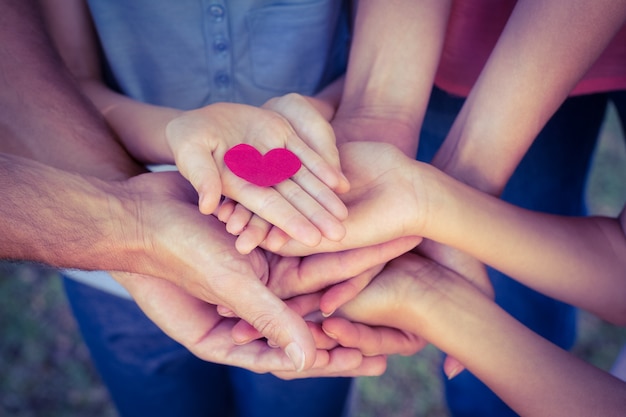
(45, 369)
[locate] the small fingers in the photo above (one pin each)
(238, 220)
(452, 367)
(253, 235)
(225, 209)
(372, 340)
(269, 204)
(317, 148)
(318, 204)
(200, 169)
(341, 293)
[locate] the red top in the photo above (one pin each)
(473, 31)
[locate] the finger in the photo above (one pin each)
(341, 293)
(342, 362)
(319, 271)
(315, 132)
(452, 367)
(269, 204)
(325, 215)
(253, 235)
(277, 323)
(341, 265)
(275, 239)
(201, 171)
(372, 340)
(196, 325)
(180, 315)
(322, 341)
(238, 220)
(225, 312)
(225, 209)
(244, 332)
(320, 192)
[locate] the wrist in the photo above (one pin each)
(390, 124)
(431, 188)
(117, 239)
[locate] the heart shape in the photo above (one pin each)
(263, 170)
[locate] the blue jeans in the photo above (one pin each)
(149, 374)
(551, 178)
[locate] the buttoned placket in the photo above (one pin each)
(220, 53)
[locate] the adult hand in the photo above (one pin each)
(313, 278)
(196, 325)
(176, 243)
(292, 276)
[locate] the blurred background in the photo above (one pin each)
(45, 370)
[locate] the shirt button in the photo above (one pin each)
(220, 45)
(222, 80)
(216, 11)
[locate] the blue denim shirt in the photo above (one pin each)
(190, 53)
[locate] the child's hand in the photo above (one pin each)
(250, 229)
(305, 206)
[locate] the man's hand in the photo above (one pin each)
(193, 252)
(196, 325)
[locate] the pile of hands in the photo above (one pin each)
(305, 278)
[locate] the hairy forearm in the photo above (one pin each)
(43, 115)
(64, 219)
(544, 50)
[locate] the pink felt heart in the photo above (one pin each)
(263, 170)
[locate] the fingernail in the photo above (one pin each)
(296, 354)
(326, 315)
(329, 334)
(454, 372)
(225, 312)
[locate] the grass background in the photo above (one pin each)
(45, 368)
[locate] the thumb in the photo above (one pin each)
(282, 326)
(452, 367)
(201, 171)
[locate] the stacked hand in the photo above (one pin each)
(272, 290)
(199, 268)
(305, 207)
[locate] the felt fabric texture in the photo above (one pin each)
(266, 170)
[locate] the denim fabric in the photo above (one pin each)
(149, 374)
(550, 178)
(190, 53)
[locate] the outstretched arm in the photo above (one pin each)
(533, 376)
(393, 59)
(578, 260)
(542, 53)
